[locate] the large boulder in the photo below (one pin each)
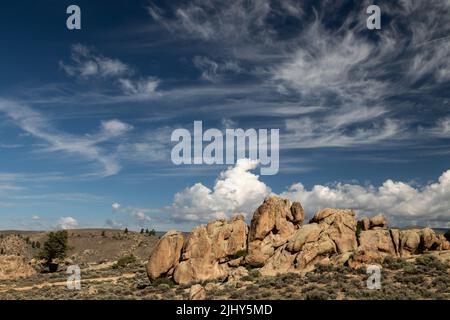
(378, 240)
(316, 252)
(428, 239)
(415, 241)
(340, 226)
(378, 221)
(409, 242)
(166, 255)
(365, 256)
(307, 233)
(272, 225)
(13, 267)
(210, 248)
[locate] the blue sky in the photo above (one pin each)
(86, 116)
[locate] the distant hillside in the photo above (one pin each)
(91, 245)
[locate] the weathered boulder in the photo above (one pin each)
(378, 221)
(409, 242)
(307, 233)
(166, 255)
(281, 261)
(378, 240)
(428, 239)
(227, 237)
(414, 241)
(340, 226)
(197, 292)
(13, 267)
(314, 252)
(272, 225)
(362, 257)
(210, 248)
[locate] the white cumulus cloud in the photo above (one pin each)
(239, 191)
(116, 206)
(402, 203)
(236, 191)
(66, 223)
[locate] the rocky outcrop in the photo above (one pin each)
(272, 225)
(13, 267)
(330, 231)
(415, 241)
(206, 254)
(166, 255)
(278, 241)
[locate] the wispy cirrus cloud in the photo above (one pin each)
(88, 146)
(86, 64)
(344, 69)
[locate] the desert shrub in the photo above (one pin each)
(413, 279)
(55, 247)
(441, 283)
(394, 263)
(319, 294)
(320, 268)
(163, 282)
(253, 275)
(124, 261)
(431, 262)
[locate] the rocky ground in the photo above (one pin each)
(423, 278)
